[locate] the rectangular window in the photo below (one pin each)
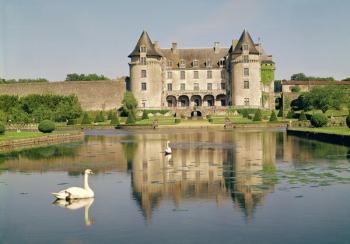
(195, 75)
(182, 86)
(195, 63)
(245, 47)
(143, 103)
(208, 63)
(196, 86)
(169, 75)
(182, 63)
(143, 60)
(246, 72)
(143, 86)
(245, 59)
(169, 63)
(223, 86)
(210, 86)
(209, 74)
(246, 101)
(182, 75)
(170, 86)
(143, 49)
(143, 73)
(246, 84)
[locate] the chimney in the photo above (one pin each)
(173, 47)
(216, 47)
(156, 45)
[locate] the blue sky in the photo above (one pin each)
(48, 38)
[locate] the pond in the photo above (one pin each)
(244, 186)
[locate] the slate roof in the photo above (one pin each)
(190, 54)
(244, 39)
(146, 41)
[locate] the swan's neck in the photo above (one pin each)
(86, 183)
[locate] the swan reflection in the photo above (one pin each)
(75, 204)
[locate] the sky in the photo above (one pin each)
(51, 38)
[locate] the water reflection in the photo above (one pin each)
(74, 204)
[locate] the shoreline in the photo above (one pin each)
(15, 144)
(334, 138)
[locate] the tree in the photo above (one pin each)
(295, 88)
(290, 114)
(257, 115)
(99, 117)
(273, 116)
(42, 113)
(302, 116)
(84, 77)
(144, 114)
(303, 77)
(129, 101)
(110, 115)
(280, 113)
(115, 120)
(298, 76)
(131, 118)
(86, 120)
(346, 79)
(318, 120)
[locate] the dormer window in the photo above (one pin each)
(208, 63)
(245, 47)
(221, 62)
(143, 49)
(195, 63)
(143, 60)
(182, 63)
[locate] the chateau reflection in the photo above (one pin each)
(203, 171)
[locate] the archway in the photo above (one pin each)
(184, 101)
(221, 100)
(196, 101)
(171, 101)
(196, 114)
(209, 100)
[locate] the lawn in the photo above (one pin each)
(328, 130)
(13, 135)
(161, 121)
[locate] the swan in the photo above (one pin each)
(77, 192)
(167, 149)
(75, 204)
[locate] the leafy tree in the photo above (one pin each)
(346, 79)
(17, 115)
(303, 77)
(273, 116)
(42, 113)
(298, 76)
(131, 118)
(7, 102)
(129, 101)
(83, 77)
(3, 117)
(302, 116)
(295, 88)
(257, 115)
(86, 119)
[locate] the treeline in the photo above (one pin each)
(84, 77)
(11, 81)
(303, 77)
(35, 108)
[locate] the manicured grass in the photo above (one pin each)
(161, 121)
(327, 130)
(13, 135)
(233, 119)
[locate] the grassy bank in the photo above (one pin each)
(344, 131)
(13, 135)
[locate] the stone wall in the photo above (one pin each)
(93, 95)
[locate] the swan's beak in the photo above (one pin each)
(92, 173)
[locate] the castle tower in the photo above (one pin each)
(146, 73)
(245, 76)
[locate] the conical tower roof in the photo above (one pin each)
(144, 40)
(244, 39)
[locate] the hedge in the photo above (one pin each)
(319, 120)
(2, 128)
(46, 126)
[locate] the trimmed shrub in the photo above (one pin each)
(257, 115)
(115, 120)
(280, 113)
(273, 116)
(177, 121)
(2, 128)
(99, 117)
(110, 115)
(302, 116)
(46, 126)
(144, 114)
(86, 119)
(290, 114)
(245, 113)
(348, 120)
(131, 118)
(319, 120)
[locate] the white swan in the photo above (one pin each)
(77, 192)
(168, 148)
(75, 204)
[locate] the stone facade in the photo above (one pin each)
(198, 78)
(92, 95)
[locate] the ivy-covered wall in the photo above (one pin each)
(267, 73)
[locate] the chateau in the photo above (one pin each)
(241, 75)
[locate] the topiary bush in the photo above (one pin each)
(319, 120)
(131, 118)
(302, 116)
(348, 120)
(177, 120)
(46, 126)
(115, 120)
(245, 113)
(257, 115)
(2, 128)
(273, 116)
(86, 119)
(144, 114)
(280, 113)
(290, 114)
(99, 117)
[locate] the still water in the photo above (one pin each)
(238, 186)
